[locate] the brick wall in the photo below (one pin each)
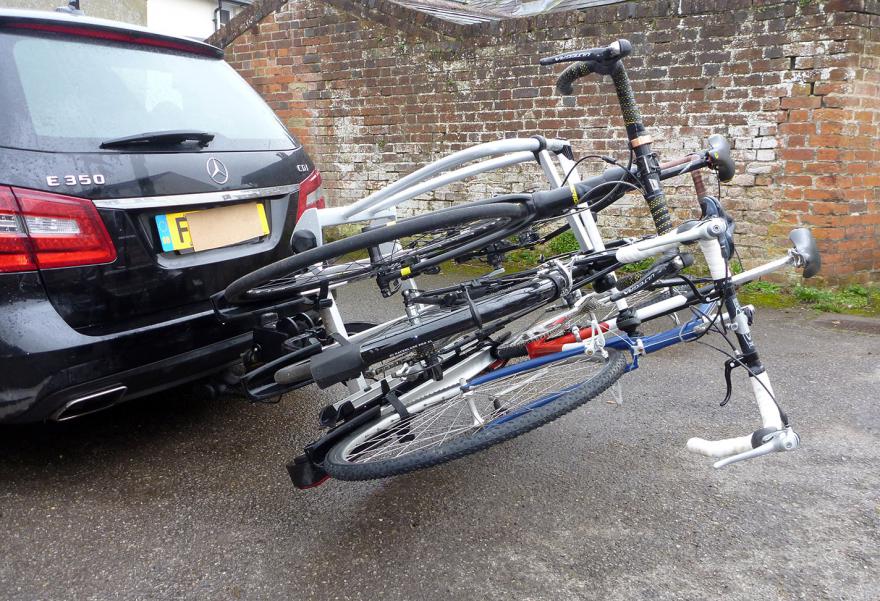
(374, 90)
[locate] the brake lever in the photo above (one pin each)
(777, 441)
(616, 50)
(729, 365)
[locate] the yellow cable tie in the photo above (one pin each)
(405, 272)
(574, 193)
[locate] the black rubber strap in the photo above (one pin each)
(393, 400)
(542, 143)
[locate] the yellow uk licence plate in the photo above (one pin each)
(213, 228)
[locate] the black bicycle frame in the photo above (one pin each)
(593, 194)
(349, 360)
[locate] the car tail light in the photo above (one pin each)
(311, 195)
(39, 230)
(15, 248)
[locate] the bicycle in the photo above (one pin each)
(398, 251)
(394, 416)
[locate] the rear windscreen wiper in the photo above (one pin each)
(159, 138)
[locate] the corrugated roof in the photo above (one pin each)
(506, 7)
(565, 5)
(456, 12)
(469, 12)
(522, 8)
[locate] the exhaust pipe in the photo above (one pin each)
(90, 403)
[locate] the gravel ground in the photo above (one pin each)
(185, 498)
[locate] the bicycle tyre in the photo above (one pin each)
(337, 464)
(258, 285)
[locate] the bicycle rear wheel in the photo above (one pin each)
(467, 418)
(426, 237)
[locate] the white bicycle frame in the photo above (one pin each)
(380, 207)
(727, 450)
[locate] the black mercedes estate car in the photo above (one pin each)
(139, 175)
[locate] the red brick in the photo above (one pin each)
(350, 77)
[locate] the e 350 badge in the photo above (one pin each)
(73, 180)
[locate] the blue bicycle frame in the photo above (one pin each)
(619, 341)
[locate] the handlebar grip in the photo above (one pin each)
(572, 72)
(632, 118)
(660, 214)
(720, 448)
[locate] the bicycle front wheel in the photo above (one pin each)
(473, 416)
(422, 238)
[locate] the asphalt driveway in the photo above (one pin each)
(186, 498)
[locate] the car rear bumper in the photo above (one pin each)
(46, 365)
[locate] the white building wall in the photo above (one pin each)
(190, 18)
(127, 11)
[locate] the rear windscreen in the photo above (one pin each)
(67, 94)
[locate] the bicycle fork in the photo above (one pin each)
(776, 434)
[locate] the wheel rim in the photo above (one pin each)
(440, 418)
(312, 280)
(351, 267)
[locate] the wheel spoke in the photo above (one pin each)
(493, 402)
